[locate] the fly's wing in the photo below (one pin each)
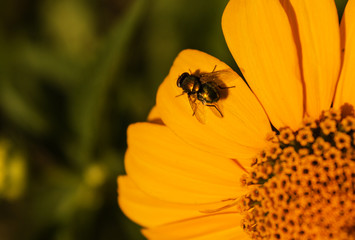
(223, 81)
(221, 78)
(197, 108)
(215, 108)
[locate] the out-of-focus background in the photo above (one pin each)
(73, 75)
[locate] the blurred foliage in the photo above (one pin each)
(73, 75)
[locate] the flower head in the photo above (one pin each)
(233, 175)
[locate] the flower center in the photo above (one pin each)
(303, 185)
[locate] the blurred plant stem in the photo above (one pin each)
(89, 96)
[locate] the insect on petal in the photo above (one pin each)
(242, 130)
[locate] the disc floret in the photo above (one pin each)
(303, 185)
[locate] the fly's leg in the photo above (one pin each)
(219, 86)
(211, 105)
(180, 94)
(214, 68)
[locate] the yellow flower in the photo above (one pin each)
(234, 176)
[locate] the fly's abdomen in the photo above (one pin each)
(208, 93)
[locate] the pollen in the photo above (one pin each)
(303, 185)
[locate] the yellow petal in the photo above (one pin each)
(319, 35)
(212, 227)
(154, 116)
(150, 212)
(167, 168)
(145, 210)
(260, 39)
(242, 130)
(346, 85)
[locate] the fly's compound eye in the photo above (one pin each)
(182, 78)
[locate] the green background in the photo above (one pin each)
(73, 75)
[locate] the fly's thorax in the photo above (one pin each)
(190, 84)
(208, 93)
